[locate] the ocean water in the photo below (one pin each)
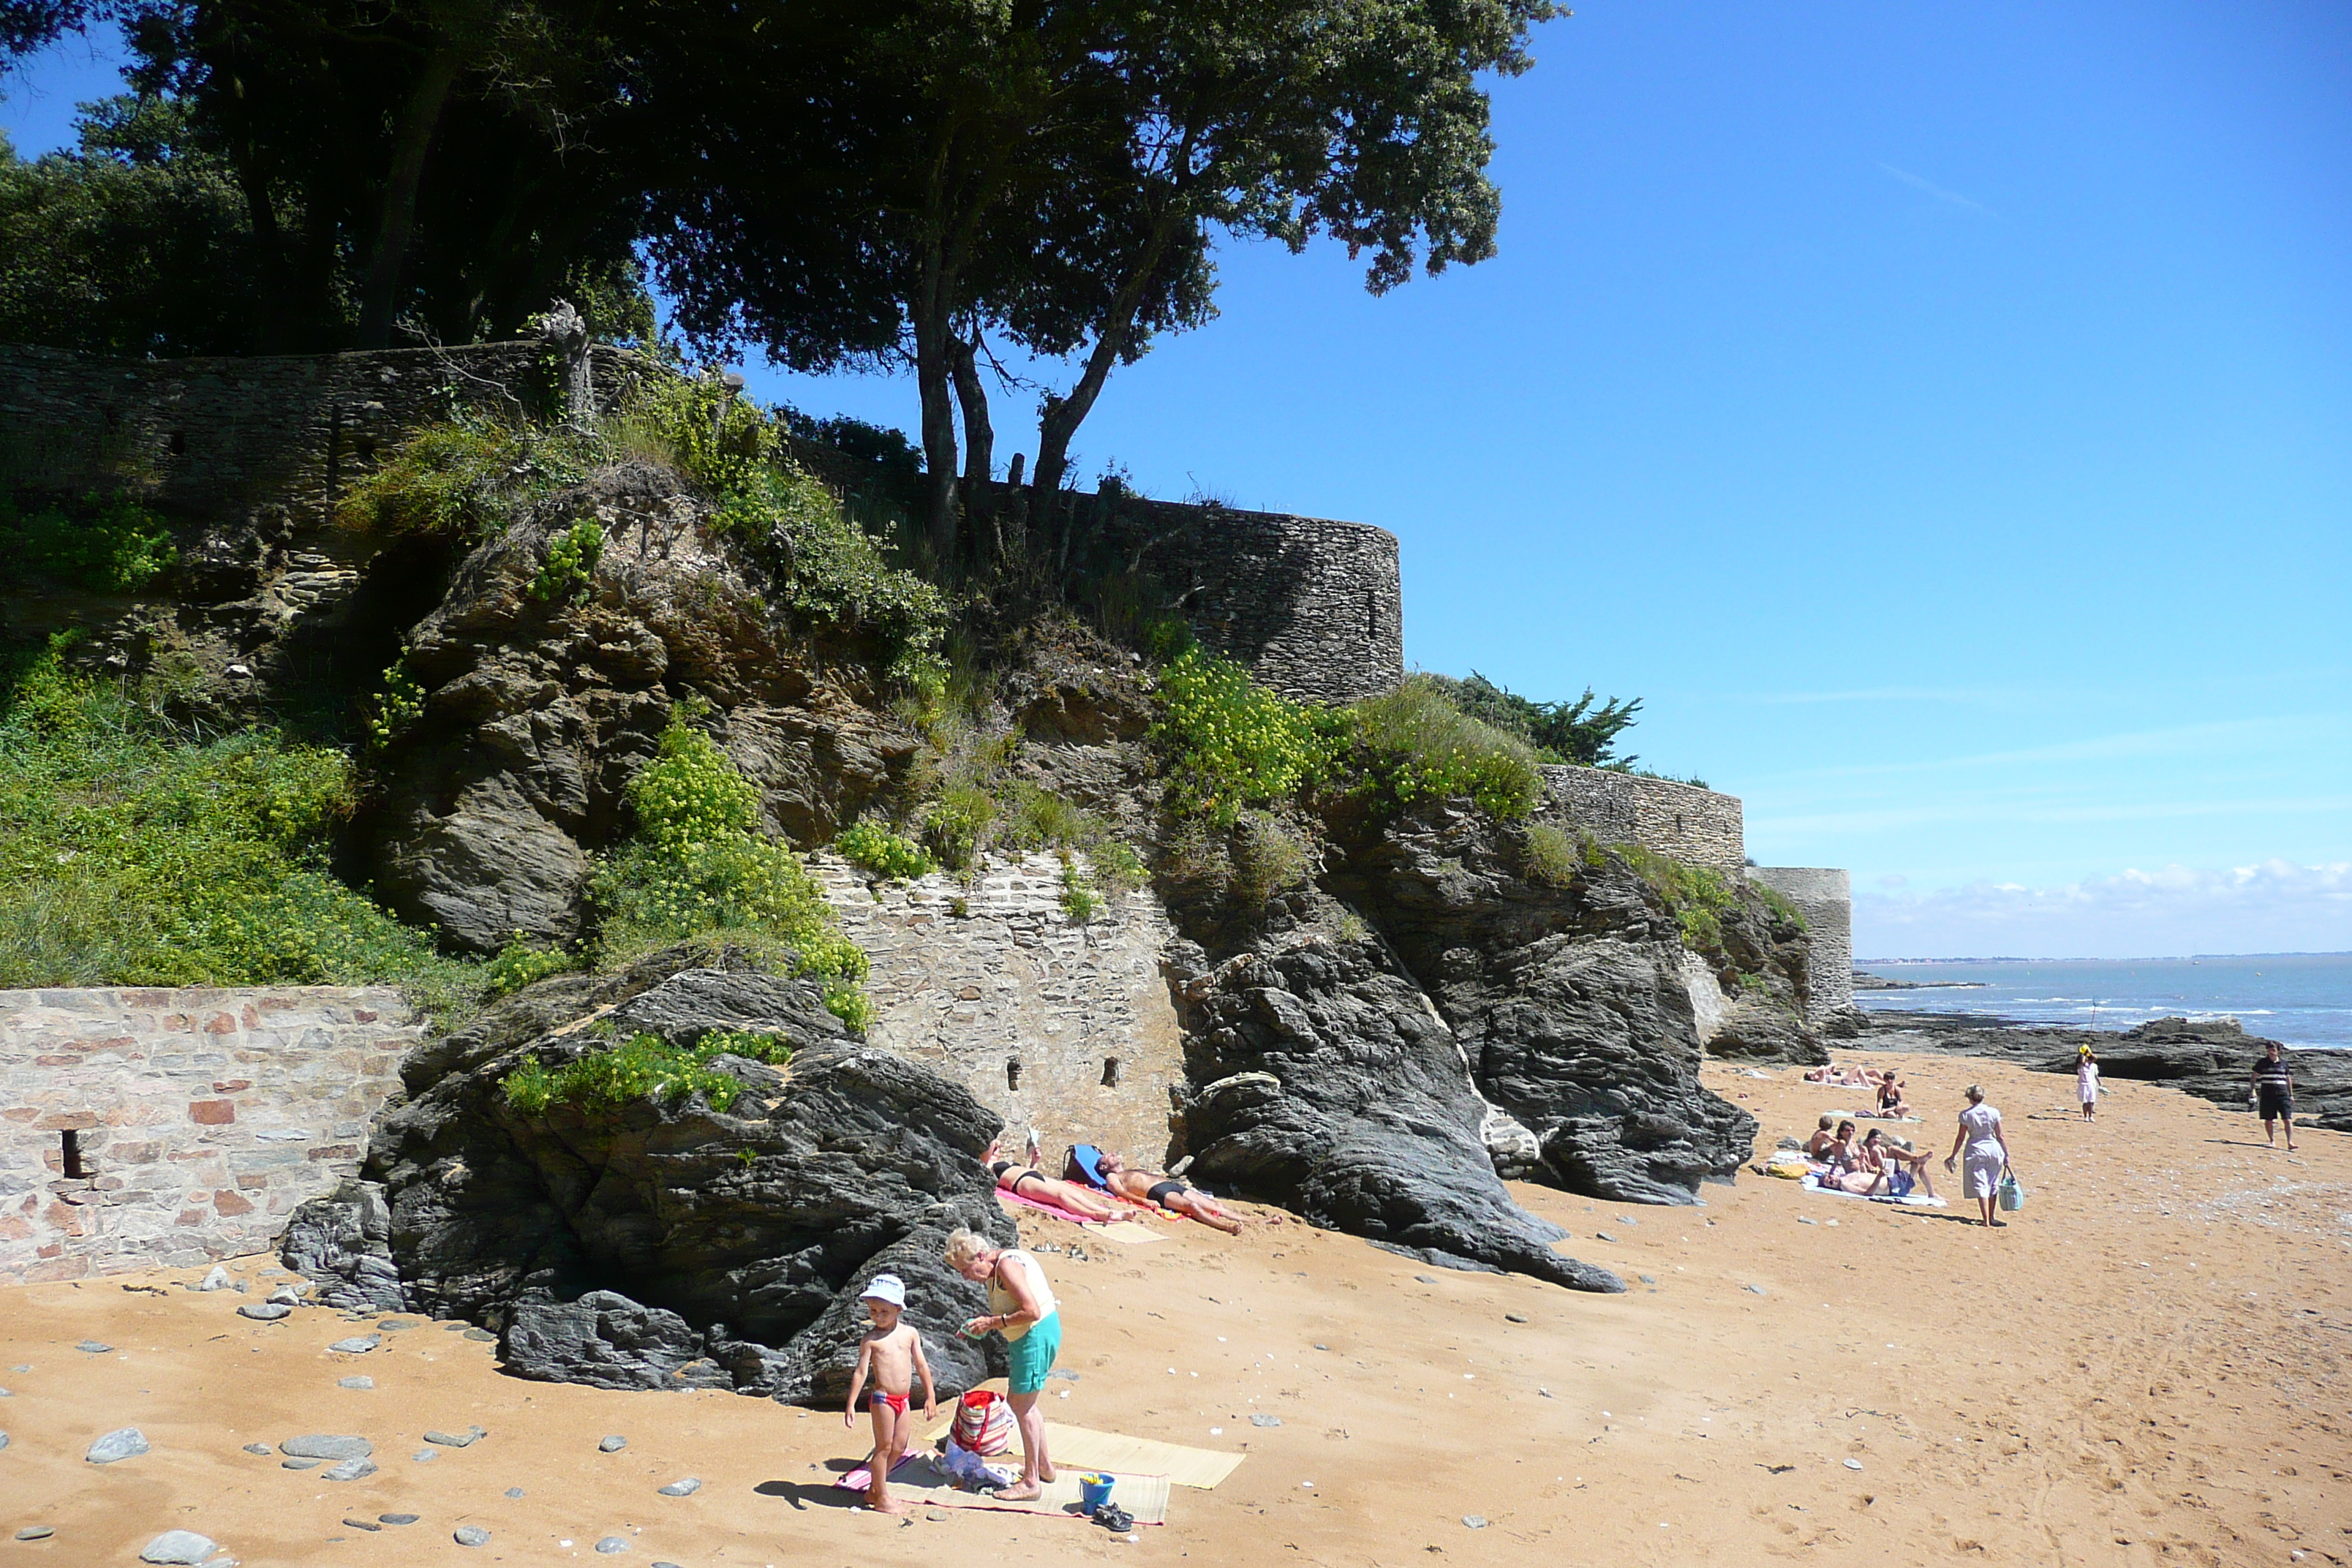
(2300, 998)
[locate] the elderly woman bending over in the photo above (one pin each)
(1021, 1307)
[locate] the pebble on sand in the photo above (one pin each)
(179, 1546)
(470, 1535)
(326, 1445)
(397, 1517)
(264, 1449)
(358, 1344)
(350, 1471)
(264, 1311)
(355, 1383)
(611, 1445)
(371, 1526)
(465, 1439)
(514, 1491)
(426, 1456)
(36, 1532)
(3, 1440)
(1474, 1521)
(1756, 1289)
(611, 1544)
(119, 1444)
(1265, 1420)
(91, 1347)
(216, 1279)
(687, 1487)
(1853, 1464)
(482, 1336)
(301, 1464)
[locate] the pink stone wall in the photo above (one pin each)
(198, 1119)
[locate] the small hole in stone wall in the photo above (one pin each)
(179, 443)
(1110, 1072)
(366, 448)
(1013, 1075)
(1372, 615)
(70, 1149)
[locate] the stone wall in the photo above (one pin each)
(1824, 896)
(225, 436)
(143, 1128)
(1052, 1025)
(1689, 824)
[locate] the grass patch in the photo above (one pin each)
(1697, 895)
(134, 855)
(642, 1066)
(1413, 745)
(105, 544)
(1551, 855)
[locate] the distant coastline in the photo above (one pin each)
(1863, 981)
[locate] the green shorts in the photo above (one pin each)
(1033, 1353)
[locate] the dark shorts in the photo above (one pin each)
(2276, 1102)
(1161, 1192)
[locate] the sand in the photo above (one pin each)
(2153, 1364)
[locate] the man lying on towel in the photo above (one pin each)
(1110, 1173)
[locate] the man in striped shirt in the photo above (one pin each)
(2274, 1093)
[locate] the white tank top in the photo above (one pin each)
(1001, 1300)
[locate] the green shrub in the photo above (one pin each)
(953, 824)
(1079, 900)
(1231, 743)
(1697, 895)
(1036, 818)
(130, 855)
(466, 478)
(1117, 867)
(1415, 746)
(569, 572)
(519, 965)
(642, 1066)
(698, 866)
(1777, 902)
(1268, 856)
(1550, 854)
(400, 704)
(110, 544)
(883, 852)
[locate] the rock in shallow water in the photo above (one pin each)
(123, 1443)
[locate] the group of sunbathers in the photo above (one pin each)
(1092, 1182)
(1880, 1165)
(1887, 1085)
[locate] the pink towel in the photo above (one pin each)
(1057, 1210)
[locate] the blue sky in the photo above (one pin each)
(1941, 417)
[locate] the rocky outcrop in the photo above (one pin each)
(669, 1243)
(2210, 1058)
(1326, 1083)
(538, 711)
(1569, 1004)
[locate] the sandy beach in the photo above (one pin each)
(2153, 1364)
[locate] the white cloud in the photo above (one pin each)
(2276, 906)
(1953, 198)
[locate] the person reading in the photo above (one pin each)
(1023, 1179)
(891, 1354)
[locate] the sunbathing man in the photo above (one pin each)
(1025, 1180)
(1167, 1191)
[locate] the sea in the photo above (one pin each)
(2297, 998)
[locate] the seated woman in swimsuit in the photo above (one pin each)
(1177, 1197)
(1890, 1097)
(1025, 1180)
(1852, 1167)
(1823, 1139)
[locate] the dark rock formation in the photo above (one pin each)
(1765, 1030)
(670, 1244)
(538, 713)
(2214, 1059)
(1568, 1003)
(1328, 1083)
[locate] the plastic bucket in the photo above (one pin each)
(1094, 1490)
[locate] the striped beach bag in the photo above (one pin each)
(983, 1423)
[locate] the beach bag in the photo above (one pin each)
(2012, 1192)
(983, 1423)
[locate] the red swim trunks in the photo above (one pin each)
(897, 1402)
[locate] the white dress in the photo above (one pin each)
(1981, 1164)
(2087, 1082)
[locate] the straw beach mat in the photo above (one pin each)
(1077, 1448)
(1145, 1497)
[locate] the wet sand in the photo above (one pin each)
(2151, 1364)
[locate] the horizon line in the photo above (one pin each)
(2143, 958)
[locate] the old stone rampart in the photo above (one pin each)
(146, 1129)
(1052, 1024)
(1824, 896)
(1681, 820)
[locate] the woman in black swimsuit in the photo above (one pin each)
(1167, 1192)
(1028, 1182)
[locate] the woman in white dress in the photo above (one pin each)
(1988, 1152)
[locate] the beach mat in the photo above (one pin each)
(1918, 1200)
(1127, 1231)
(918, 1481)
(1084, 1448)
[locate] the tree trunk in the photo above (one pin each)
(396, 221)
(1063, 415)
(978, 454)
(935, 348)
